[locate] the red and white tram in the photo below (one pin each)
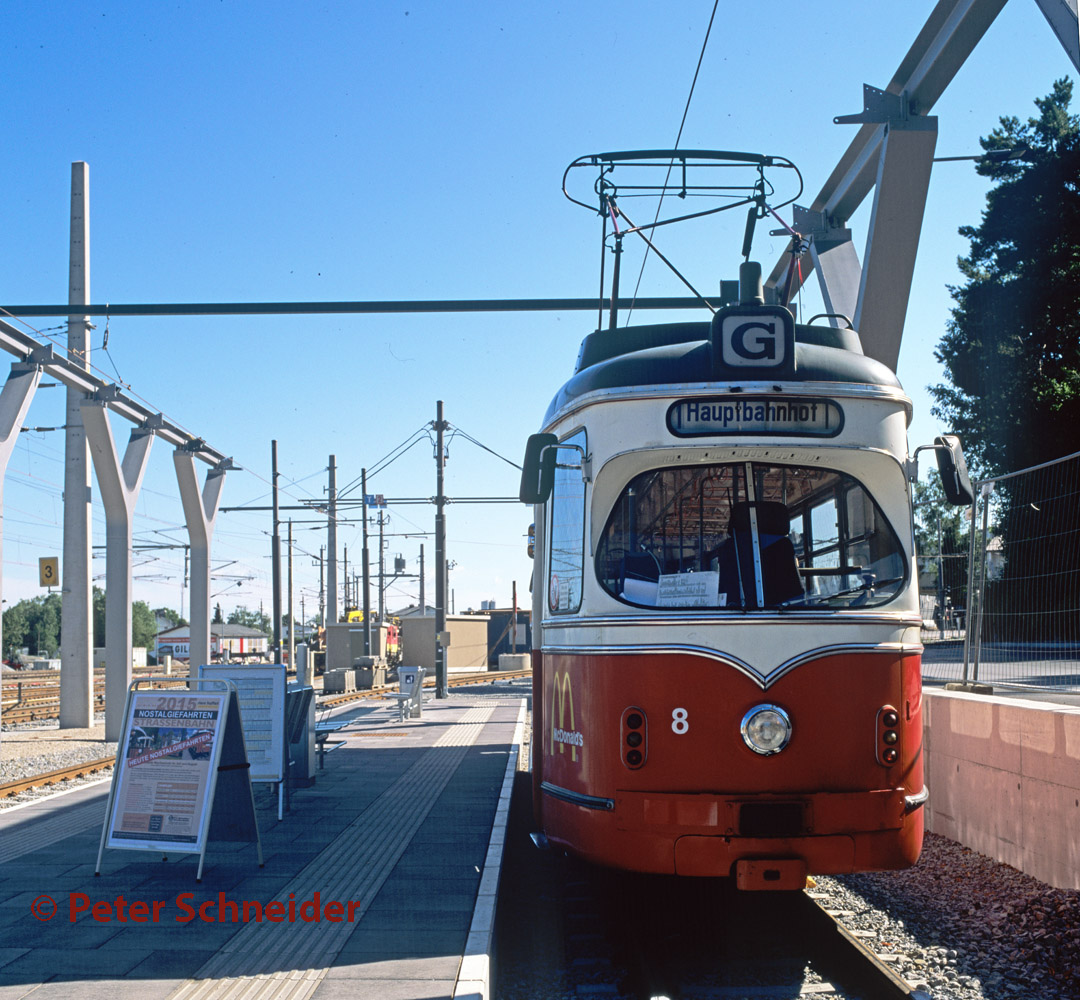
(727, 675)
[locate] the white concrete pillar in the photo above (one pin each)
(200, 512)
(76, 663)
(14, 402)
(119, 484)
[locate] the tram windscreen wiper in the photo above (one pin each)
(862, 591)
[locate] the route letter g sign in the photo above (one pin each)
(754, 342)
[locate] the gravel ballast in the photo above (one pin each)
(38, 747)
(967, 926)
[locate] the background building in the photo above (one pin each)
(468, 640)
(239, 641)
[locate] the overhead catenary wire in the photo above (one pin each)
(391, 456)
(678, 139)
(479, 444)
(678, 274)
(390, 460)
(97, 372)
(103, 376)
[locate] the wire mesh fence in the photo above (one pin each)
(1021, 624)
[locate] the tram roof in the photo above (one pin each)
(678, 353)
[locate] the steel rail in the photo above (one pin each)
(57, 776)
(860, 962)
(381, 690)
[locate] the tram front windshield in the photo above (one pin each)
(747, 535)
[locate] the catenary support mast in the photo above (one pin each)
(441, 688)
(331, 548)
(76, 663)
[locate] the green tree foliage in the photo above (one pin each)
(252, 619)
(143, 625)
(97, 616)
(35, 624)
(16, 626)
(1012, 358)
(143, 622)
(1012, 348)
(219, 618)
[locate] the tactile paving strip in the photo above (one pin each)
(292, 959)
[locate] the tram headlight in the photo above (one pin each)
(766, 729)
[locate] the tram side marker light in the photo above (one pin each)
(633, 731)
(888, 735)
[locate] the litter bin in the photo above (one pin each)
(408, 677)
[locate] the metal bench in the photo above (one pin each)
(323, 743)
(410, 698)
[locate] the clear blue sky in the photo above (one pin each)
(301, 151)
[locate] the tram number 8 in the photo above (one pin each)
(679, 724)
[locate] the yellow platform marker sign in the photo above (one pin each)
(49, 571)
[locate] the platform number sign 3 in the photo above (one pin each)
(49, 571)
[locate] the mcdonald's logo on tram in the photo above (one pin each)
(562, 697)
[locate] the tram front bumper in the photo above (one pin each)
(816, 814)
(753, 837)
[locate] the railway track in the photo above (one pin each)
(570, 929)
(83, 770)
(329, 701)
(36, 696)
(31, 701)
(459, 680)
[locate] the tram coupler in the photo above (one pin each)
(788, 874)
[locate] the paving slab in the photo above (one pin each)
(369, 885)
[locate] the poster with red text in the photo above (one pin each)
(165, 760)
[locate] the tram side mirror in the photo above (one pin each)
(955, 480)
(538, 469)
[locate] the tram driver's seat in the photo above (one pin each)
(779, 568)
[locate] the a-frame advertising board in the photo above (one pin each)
(182, 776)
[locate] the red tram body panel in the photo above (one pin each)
(702, 800)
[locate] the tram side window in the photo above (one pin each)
(746, 536)
(566, 553)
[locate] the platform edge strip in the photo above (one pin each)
(474, 974)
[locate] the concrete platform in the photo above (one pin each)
(405, 825)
